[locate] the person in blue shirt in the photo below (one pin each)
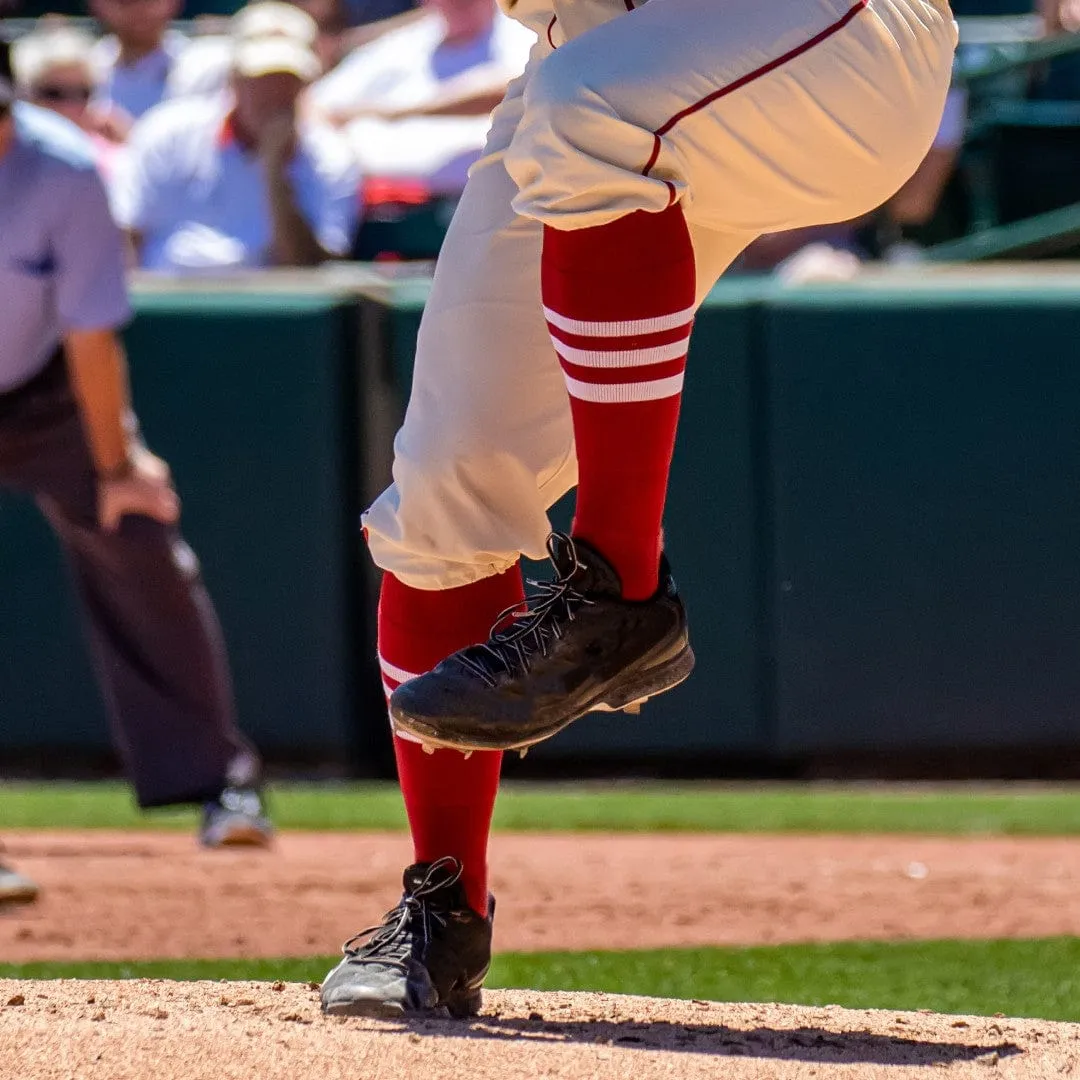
(69, 439)
(137, 57)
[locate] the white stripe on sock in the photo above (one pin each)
(625, 358)
(621, 393)
(399, 675)
(388, 689)
(621, 328)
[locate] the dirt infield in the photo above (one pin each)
(195, 1031)
(145, 895)
(149, 895)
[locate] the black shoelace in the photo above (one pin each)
(390, 942)
(534, 623)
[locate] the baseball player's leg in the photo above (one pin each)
(449, 798)
(153, 632)
(435, 948)
(487, 442)
(739, 117)
(485, 450)
(485, 447)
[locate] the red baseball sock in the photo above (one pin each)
(619, 302)
(449, 799)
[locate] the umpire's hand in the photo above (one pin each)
(143, 486)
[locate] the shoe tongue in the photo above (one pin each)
(561, 550)
(414, 877)
(591, 572)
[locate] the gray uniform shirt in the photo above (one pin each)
(61, 255)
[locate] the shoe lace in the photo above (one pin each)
(531, 625)
(390, 942)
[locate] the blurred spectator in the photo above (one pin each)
(238, 181)
(202, 67)
(332, 19)
(416, 102)
(1060, 15)
(136, 59)
(206, 64)
(457, 58)
(54, 68)
(905, 219)
(1058, 79)
(366, 12)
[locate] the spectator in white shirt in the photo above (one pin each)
(54, 69)
(136, 59)
(205, 66)
(416, 102)
(237, 181)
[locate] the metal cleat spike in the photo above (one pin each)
(428, 749)
(466, 754)
(522, 753)
(633, 709)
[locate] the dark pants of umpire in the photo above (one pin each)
(154, 636)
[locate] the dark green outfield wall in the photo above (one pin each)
(924, 482)
(874, 517)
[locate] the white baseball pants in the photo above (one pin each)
(758, 115)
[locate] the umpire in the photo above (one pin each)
(69, 439)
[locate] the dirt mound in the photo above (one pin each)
(197, 1031)
(117, 896)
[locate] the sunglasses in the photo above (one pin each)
(80, 94)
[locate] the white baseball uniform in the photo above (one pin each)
(758, 115)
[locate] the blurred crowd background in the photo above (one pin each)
(214, 124)
(923, 488)
(357, 105)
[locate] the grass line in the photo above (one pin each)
(621, 807)
(1036, 978)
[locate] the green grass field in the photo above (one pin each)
(627, 807)
(1018, 978)
(1038, 978)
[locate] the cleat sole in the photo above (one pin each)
(636, 692)
(373, 1010)
(14, 897)
(632, 707)
(649, 684)
(459, 1007)
(250, 836)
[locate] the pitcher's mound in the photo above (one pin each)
(157, 1030)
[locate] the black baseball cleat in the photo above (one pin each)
(579, 647)
(429, 956)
